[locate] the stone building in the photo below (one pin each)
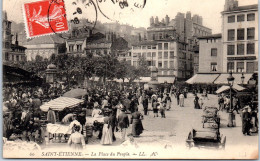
(10, 52)
(44, 46)
(240, 37)
(210, 54)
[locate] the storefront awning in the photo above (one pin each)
(203, 78)
(222, 79)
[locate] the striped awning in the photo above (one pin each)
(60, 103)
(202, 78)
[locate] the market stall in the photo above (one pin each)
(61, 103)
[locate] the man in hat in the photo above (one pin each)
(246, 118)
(123, 123)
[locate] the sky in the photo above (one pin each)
(210, 10)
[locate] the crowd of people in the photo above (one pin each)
(119, 106)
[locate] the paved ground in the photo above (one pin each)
(167, 136)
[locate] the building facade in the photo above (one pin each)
(210, 54)
(11, 52)
(240, 37)
(170, 45)
(44, 46)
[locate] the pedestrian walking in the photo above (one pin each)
(246, 121)
(196, 102)
(235, 103)
(162, 109)
(221, 102)
(168, 102)
(181, 100)
(201, 102)
(137, 126)
(178, 97)
(123, 123)
(155, 106)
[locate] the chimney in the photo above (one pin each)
(16, 39)
(5, 14)
(163, 21)
(151, 21)
(188, 15)
(156, 20)
(167, 20)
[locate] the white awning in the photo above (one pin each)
(235, 87)
(60, 103)
(202, 78)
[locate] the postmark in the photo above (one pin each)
(45, 17)
(119, 8)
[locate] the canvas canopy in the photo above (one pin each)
(60, 103)
(235, 87)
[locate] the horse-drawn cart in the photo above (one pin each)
(211, 116)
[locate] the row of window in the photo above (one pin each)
(165, 55)
(145, 47)
(161, 64)
(78, 47)
(250, 49)
(241, 34)
(240, 67)
(241, 18)
(13, 57)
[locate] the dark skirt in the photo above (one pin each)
(155, 110)
(137, 127)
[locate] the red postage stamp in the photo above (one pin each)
(45, 17)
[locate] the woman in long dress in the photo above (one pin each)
(196, 102)
(107, 136)
(76, 140)
(137, 126)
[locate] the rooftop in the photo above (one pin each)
(242, 8)
(211, 36)
(48, 39)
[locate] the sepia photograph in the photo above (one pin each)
(130, 79)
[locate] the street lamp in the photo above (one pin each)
(230, 80)
(242, 78)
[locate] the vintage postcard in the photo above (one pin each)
(130, 79)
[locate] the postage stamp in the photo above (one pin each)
(45, 17)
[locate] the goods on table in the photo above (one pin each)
(58, 129)
(20, 145)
